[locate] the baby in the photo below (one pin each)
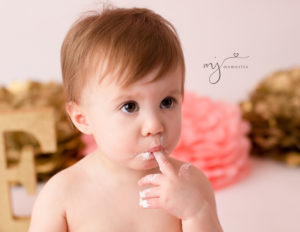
(123, 73)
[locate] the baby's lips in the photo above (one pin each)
(155, 149)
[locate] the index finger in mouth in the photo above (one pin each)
(164, 164)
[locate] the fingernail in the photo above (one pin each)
(143, 203)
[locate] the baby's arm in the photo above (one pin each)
(206, 219)
(48, 212)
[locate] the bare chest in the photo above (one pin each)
(116, 212)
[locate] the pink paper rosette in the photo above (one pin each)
(214, 139)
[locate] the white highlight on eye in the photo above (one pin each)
(144, 203)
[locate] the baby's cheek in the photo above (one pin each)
(124, 142)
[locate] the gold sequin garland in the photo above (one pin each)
(273, 109)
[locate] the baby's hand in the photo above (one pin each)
(182, 195)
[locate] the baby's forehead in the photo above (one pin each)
(126, 79)
(114, 89)
(115, 83)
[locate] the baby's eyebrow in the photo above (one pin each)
(175, 91)
(127, 96)
(139, 95)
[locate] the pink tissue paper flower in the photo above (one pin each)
(214, 139)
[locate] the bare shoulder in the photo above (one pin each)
(58, 186)
(49, 210)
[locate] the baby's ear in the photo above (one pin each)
(78, 117)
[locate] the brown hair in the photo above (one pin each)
(129, 42)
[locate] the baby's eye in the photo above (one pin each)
(168, 102)
(129, 107)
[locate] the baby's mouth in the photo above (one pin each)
(146, 155)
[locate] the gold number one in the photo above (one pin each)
(41, 124)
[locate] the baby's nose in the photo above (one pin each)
(152, 125)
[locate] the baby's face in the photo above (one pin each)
(127, 123)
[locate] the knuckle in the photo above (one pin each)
(166, 200)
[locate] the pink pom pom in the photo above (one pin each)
(214, 139)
